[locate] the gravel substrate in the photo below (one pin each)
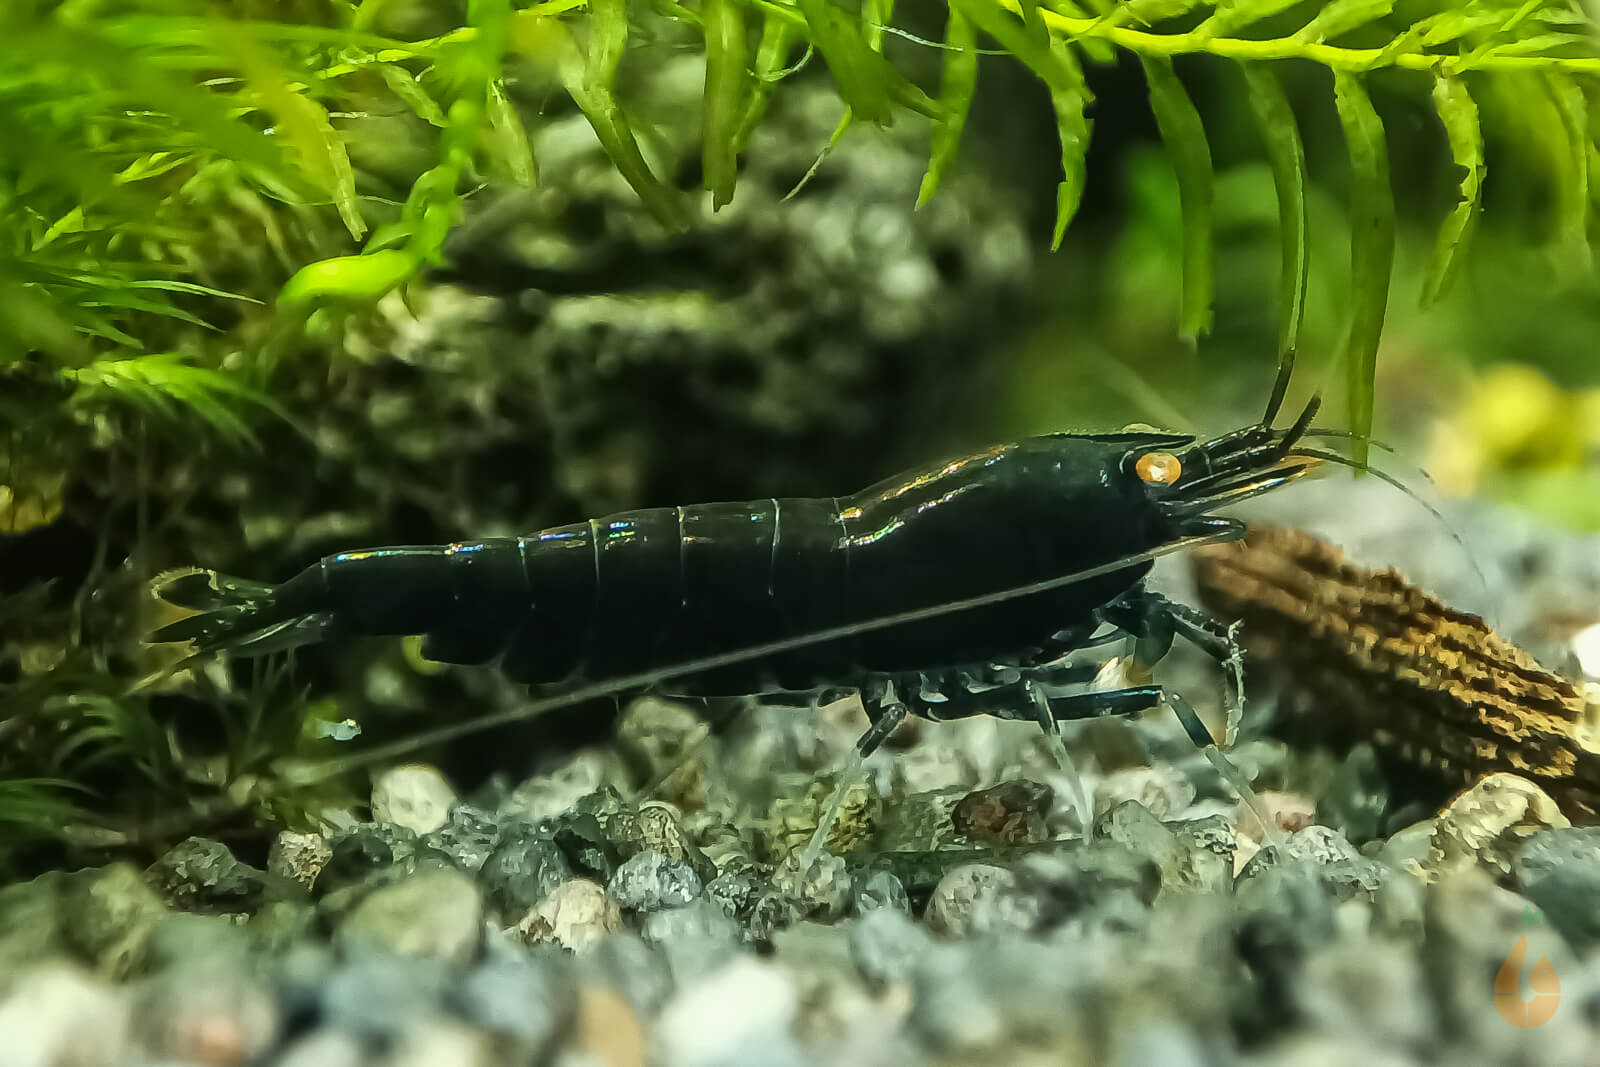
(959, 917)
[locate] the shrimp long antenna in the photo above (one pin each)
(1384, 476)
(1351, 435)
(1280, 387)
(645, 679)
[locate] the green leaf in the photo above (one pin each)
(113, 299)
(867, 82)
(1233, 15)
(846, 120)
(1341, 16)
(511, 137)
(1459, 114)
(305, 124)
(1286, 157)
(856, 68)
(1371, 248)
(778, 35)
(360, 278)
(1149, 12)
(588, 79)
(1572, 174)
(1053, 62)
(188, 287)
(727, 94)
(164, 385)
(1072, 131)
(1538, 45)
(879, 15)
(404, 86)
(959, 83)
(1185, 137)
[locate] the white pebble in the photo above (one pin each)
(59, 1014)
(729, 1015)
(415, 796)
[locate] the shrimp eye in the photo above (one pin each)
(1158, 468)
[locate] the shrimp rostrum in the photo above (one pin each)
(954, 589)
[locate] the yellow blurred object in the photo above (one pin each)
(26, 506)
(412, 650)
(1513, 420)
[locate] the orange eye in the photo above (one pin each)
(1158, 468)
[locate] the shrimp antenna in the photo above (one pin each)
(1389, 479)
(1351, 435)
(1280, 387)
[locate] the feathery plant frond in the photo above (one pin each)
(1545, 47)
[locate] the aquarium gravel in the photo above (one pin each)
(958, 918)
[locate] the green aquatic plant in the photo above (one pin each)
(162, 135)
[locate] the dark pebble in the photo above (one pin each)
(362, 851)
(583, 841)
(468, 837)
(202, 875)
(524, 868)
(1011, 813)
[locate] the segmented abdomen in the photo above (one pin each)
(651, 588)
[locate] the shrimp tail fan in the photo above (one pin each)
(232, 615)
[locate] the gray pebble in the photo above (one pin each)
(695, 939)
(379, 995)
(661, 830)
(435, 914)
(32, 919)
(734, 893)
(109, 915)
(975, 997)
(949, 909)
(280, 923)
(213, 1011)
(650, 881)
(468, 837)
(1373, 988)
(887, 945)
(1284, 914)
(880, 889)
(821, 891)
(522, 996)
(1184, 866)
(184, 938)
(1559, 870)
(627, 964)
(772, 911)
